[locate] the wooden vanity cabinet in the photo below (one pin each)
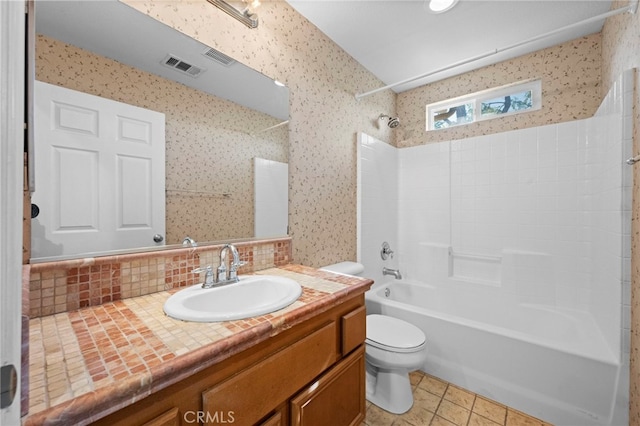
(336, 398)
(310, 374)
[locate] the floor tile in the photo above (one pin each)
(403, 422)
(490, 410)
(459, 396)
(433, 385)
(478, 420)
(454, 413)
(378, 417)
(418, 415)
(426, 400)
(438, 403)
(516, 418)
(439, 421)
(414, 378)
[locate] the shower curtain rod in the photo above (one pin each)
(631, 8)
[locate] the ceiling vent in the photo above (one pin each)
(219, 57)
(178, 64)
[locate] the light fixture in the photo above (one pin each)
(440, 6)
(244, 15)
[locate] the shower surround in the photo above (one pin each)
(538, 216)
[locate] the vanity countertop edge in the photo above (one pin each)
(322, 290)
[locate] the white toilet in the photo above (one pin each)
(393, 349)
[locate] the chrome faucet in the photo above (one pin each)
(189, 242)
(222, 275)
(395, 272)
(231, 275)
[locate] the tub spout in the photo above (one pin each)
(394, 272)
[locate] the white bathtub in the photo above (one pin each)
(551, 363)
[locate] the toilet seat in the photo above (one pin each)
(393, 334)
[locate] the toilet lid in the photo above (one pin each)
(395, 334)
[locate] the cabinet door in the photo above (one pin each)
(253, 393)
(337, 398)
(354, 329)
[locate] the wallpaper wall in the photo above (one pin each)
(324, 114)
(621, 51)
(570, 74)
(206, 198)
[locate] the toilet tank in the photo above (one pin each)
(345, 268)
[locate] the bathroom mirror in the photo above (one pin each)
(220, 115)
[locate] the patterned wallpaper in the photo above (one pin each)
(200, 129)
(570, 74)
(621, 51)
(324, 114)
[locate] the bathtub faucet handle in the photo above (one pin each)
(386, 251)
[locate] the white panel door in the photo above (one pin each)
(99, 174)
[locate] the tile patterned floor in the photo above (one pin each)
(438, 403)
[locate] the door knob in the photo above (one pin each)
(158, 238)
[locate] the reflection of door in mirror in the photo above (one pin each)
(271, 183)
(100, 173)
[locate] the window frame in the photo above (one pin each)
(477, 98)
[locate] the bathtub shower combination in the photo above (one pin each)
(514, 250)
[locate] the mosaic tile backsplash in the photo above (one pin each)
(63, 286)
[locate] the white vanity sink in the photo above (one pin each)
(253, 295)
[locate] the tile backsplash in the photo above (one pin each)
(68, 285)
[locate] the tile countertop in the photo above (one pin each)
(88, 363)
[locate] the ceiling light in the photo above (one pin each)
(440, 6)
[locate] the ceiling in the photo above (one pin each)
(399, 40)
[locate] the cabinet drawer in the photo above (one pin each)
(337, 398)
(354, 329)
(252, 394)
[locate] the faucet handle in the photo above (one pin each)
(208, 278)
(386, 251)
(233, 270)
